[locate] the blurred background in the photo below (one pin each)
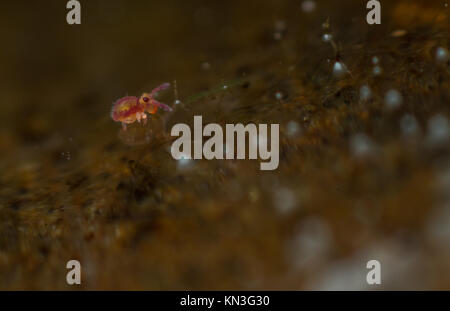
(364, 145)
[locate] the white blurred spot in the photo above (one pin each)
(377, 70)
(326, 37)
(308, 6)
(310, 244)
(185, 161)
(284, 200)
(438, 130)
(393, 99)
(339, 69)
(361, 145)
(293, 128)
(375, 60)
(442, 54)
(278, 95)
(365, 93)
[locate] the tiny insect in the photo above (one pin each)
(130, 108)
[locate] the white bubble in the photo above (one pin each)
(326, 37)
(377, 70)
(225, 87)
(393, 99)
(442, 54)
(185, 161)
(308, 6)
(284, 200)
(365, 93)
(177, 102)
(361, 145)
(339, 69)
(292, 128)
(438, 130)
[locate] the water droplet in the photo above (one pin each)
(284, 200)
(365, 93)
(293, 129)
(185, 161)
(438, 130)
(393, 99)
(361, 145)
(442, 55)
(326, 37)
(339, 69)
(377, 70)
(375, 60)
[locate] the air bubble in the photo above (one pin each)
(393, 99)
(377, 70)
(339, 69)
(361, 145)
(442, 55)
(438, 130)
(184, 162)
(365, 93)
(326, 37)
(284, 200)
(292, 128)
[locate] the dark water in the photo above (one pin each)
(363, 173)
